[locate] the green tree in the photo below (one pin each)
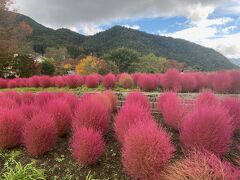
(47, 67)
(25, 66)
(123, 58)
(150, 64)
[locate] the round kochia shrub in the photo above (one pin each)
(126, 80)
(91, 113)
(87, 146)
(233, 107)
(207, 127)
(109, 81)
(45, 81)
(139, 99)
(147, 82)
(188, 82)
(171, 80)
(73, 81)
(92, 81)
(39, 134)
(146, 150)
(60, 113)
(3, 83)
(11, 123)
(207, 98)
(200, 165)
(128, 116)
(113, 98)
(172, 109)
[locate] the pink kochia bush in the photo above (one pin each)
(45, 81)
(147, 82)
(113, 98)
(172, 108)
(11, 124)
(3, 83)
(207, 98)
(146, 149)
(127, 117)
(109, 81)
(92, 81)
(87, 146)
(207, 127)
(232, 105)
(188, 82)
(139, 99)
(61, 115)
(39, 134)
(73, 81)
(172, 80)
(91, 113)
(200, 165)
(126, 80)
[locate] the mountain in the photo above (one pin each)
(192, 54)
(235, 61)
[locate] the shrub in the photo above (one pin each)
(206, 98)
(45, 81)
(11, 123)
(15, 96)
(74, 81)
(128, 116)
(147, 82)
(6, 102)
(71, 99)
(87, 146)
(59, 82)
(207, 127)
(125, 80)
(29, 110)
(235, 81)
(34, 81)
(104, 99)
(91, 113)
(113, 98)
(43, 98)
(60, 113)
(172, 80)
(172, 109)
(146, 150)
(188, 82)
(232, 105)
(221, 82)
(109, 81)
(200, 165)
(28, 98)
(139, 99)
(12, 84)
(92, 81)
(3, 83)
(39, 134)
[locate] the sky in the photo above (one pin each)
(211, 23)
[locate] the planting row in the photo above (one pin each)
(206, 126)
(220, 82)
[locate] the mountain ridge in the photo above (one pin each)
(194, 55)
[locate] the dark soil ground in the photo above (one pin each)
(59, 164)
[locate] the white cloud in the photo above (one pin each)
(89, 29)
(136, 27)
(207, 33)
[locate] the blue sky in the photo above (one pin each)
(211, 23)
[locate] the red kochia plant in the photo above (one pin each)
(207, 127)
(11, 123)
(28, 111)
(61, 115)
(59, 82)
(172, 80)
(147, 82)
(221, 82)
(3, 83)
(126, 80)
(87, 146)
(128, 116)
(207, 98)
(12, 84)
(200, 165)
(6, 102)
(104, 99)
(73, 81)
(188, 82)
(172, 108)
(39, 134)
(43, 97)
(45, 81)
(146, 150)
(109, 81)
(233, 107)
(15, 96)
(34, 81)
(28, 98)
(92, 81)
(112, 97)
(139, 99)
(91, 113)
